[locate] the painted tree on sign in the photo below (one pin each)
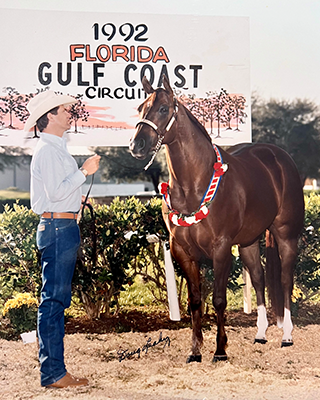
(220, 108)
(239, 104)
(214, 105)
(228, 112)
(196, 107)
(78, 111)
(14, 104)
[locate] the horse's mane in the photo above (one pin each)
(196, 122)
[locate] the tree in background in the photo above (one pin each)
(117, 163)
(10, 156)
(293, 126)
(14, 104)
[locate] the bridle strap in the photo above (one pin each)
(150, 123)
(168, 126)
(170, 123)
(160, 134)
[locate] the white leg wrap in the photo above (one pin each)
(279, 322)
(287, 326)
(262, 322)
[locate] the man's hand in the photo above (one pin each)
(91, 165)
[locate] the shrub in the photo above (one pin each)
(22, 312)
(149, 227)
(307, 271)
(110, 258)
(19, 257)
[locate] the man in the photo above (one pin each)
(55, 195)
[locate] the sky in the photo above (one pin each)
(284, 35)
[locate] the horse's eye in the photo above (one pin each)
(163, 110)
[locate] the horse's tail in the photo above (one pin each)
(273, 275)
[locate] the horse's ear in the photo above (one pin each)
(166, 84)
(146, 86)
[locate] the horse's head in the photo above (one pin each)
(157, 113)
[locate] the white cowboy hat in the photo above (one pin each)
(42, 103)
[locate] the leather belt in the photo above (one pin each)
(60, 215)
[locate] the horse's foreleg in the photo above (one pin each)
(192, 274)
(250, 255)
(194, 302)
(221, 265)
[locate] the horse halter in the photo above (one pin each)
(158, 132)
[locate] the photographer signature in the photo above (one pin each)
(123, 354)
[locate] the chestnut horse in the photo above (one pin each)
(259, 190)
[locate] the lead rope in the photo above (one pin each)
(84, 203)
(158, 146)
(93, 226)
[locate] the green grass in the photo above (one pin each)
(14, 193)
(137, 294)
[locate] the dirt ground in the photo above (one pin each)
(253, 371)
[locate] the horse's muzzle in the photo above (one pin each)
(138, 148)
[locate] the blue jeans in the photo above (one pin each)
(58, 241)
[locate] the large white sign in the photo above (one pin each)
(102, 57)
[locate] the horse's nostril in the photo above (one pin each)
(141, 144)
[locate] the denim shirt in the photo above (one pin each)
(55, 177)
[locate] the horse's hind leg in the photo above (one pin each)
(250, 256)
(287, 248)
(192, 274)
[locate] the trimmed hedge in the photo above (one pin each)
(115, 249)
(11, 202)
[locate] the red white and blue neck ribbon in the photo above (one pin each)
(219, 168)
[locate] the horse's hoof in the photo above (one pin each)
(286, 343)
(219, 358)
(193, 358)
(261, 341)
